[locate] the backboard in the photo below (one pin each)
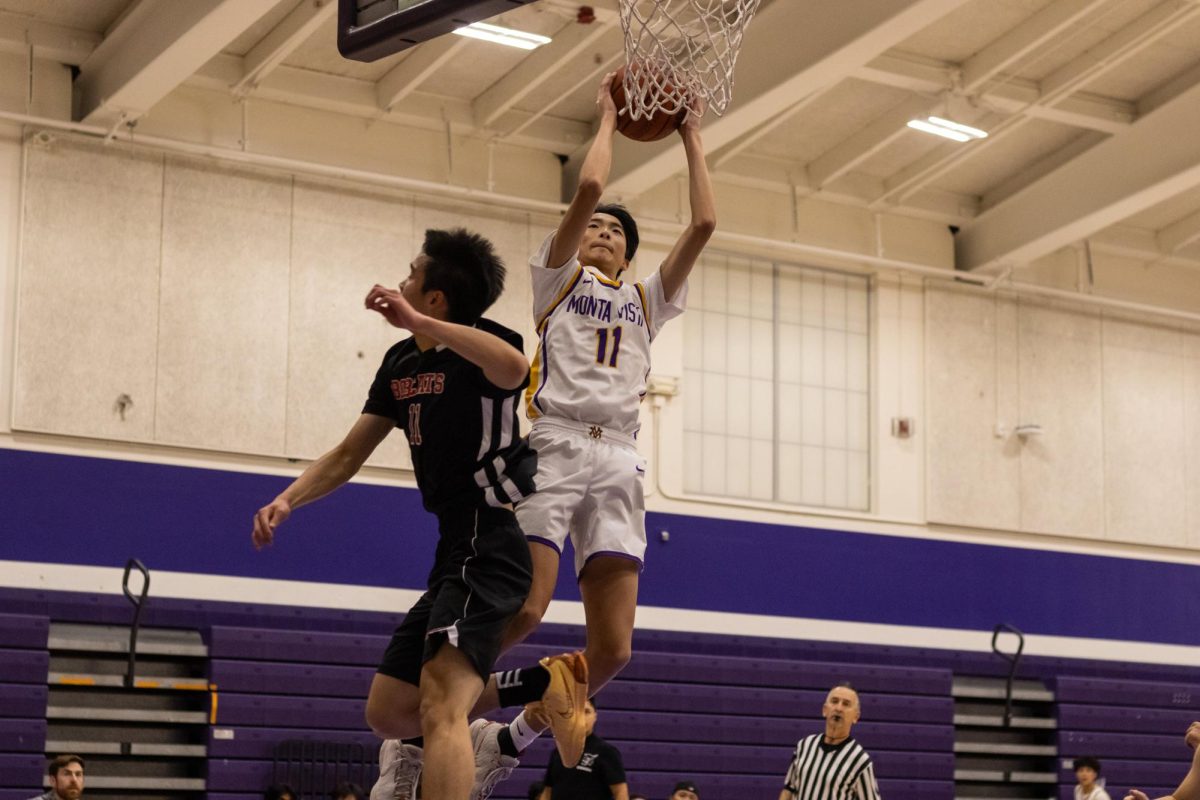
(369, 30)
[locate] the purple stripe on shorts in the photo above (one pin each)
(546, 542)
(614, 554)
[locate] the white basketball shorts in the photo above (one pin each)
(589, 485)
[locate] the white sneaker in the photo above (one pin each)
(399, 771)
(491, 766)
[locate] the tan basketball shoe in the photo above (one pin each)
(564, 703)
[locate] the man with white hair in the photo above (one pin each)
(831, 765)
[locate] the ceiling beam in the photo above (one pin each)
(1137, 244)
(566, 48)
(423, 62)
(358, 98)
(293, 31)
(1035, 31)
(1128, 173)
(50, 42)
(1008, 93)
(1104, 57)
(156, 47)
(776, 67)
(868, 141)
(1180, 234)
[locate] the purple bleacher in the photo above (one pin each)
(1096, 691)
(24, 666)
(266, 677)
(1067, 791)
(276, 711)
(306, 647)
(22, 701)
(22, 770)
(1133, 720)
(1138, 773)
(24, 631)
(632, 695)
(22, 735)
(259, 743)
(1075, 744)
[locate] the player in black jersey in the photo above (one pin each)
(453, 388)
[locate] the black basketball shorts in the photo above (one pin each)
(480, 579)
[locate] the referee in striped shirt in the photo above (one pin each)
(831, 765)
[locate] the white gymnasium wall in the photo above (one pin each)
(1117, 401)
(226, 301)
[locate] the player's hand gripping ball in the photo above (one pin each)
(659, 125)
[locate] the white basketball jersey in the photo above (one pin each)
(594, 338)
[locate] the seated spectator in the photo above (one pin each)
(1190, 788)
(1090, 785)
(280, 791)
(599, 775)
(685, 790)
(66, 779)
(348, 791)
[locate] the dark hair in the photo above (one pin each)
(627, 223)
(535, 790)
(352, 789)
(1086, 761)
(59, 762)
(463, 266)
(278, 791)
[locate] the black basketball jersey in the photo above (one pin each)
(462, 431)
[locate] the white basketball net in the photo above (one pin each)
(678, 49)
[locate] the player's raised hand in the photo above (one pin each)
(1134, 794)
(695, 115)
(267, 519)
(604, 99)
(1193, 735)
(390, 303)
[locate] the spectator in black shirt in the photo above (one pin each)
(599, 775)
(453, 388)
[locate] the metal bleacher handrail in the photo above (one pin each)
(1013, 660)
(139, 603)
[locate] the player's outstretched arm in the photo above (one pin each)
(322, 476)
(683, 255)
(503, 365)
(593, 175)
(1190, 788)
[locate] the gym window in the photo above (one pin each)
(776, 390)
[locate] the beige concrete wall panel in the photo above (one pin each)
(222, 379)
(1062, 471)
(973, 477)
(88, 298)
(1145, 454)
(343, 242)
(1191, 429)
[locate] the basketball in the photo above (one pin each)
(658, 126)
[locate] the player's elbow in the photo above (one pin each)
(705, 226)
(510, 374)
(591, 189)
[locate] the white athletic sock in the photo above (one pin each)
(522, 734)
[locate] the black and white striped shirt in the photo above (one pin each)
(821, 771)
(462, 431)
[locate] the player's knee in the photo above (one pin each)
(527, 619)
(437, 713)
(379, 720)
(610, 659)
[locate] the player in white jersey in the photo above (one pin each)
(588, 379)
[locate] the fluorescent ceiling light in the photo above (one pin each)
(947, 129)
(506, 36)
(974, 133)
